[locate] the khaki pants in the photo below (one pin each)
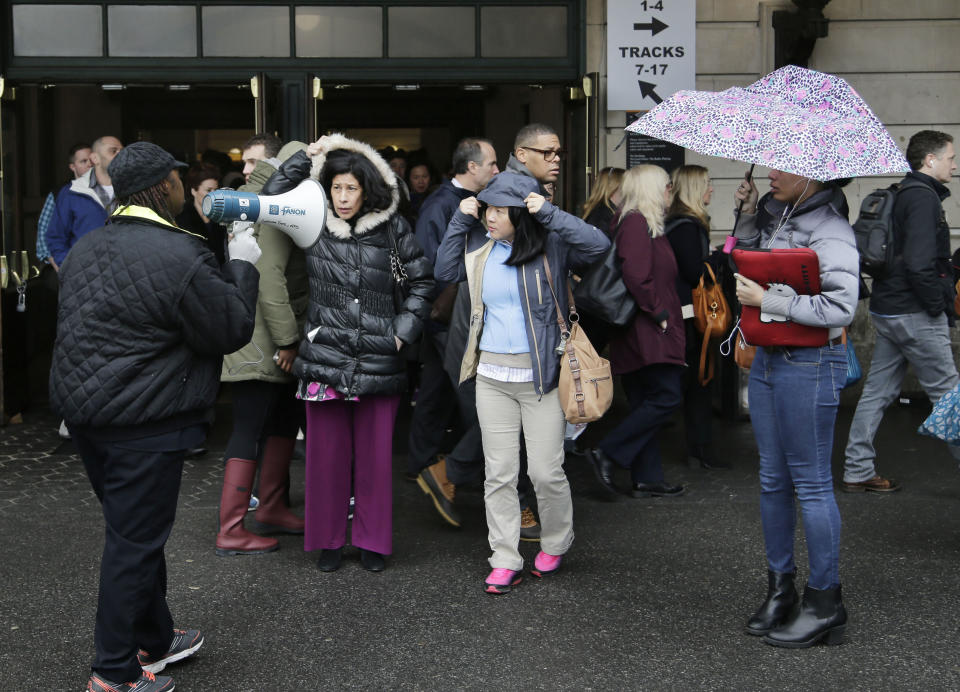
(503, 408)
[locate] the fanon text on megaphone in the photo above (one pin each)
(300, 212)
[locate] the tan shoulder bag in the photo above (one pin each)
(586, 381)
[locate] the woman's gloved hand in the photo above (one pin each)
(242, 245)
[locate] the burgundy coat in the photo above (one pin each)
(650, 274)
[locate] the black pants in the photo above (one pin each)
(654, 393)
(137, 483)
(436, 405)
(262, 410)
(465, 461)
(697, 399)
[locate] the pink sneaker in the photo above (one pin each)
(501, 580)
(545, 564)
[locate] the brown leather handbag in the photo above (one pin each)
(711, 317)
(743, 353)
(586, 381)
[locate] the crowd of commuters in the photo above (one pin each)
(473, 270)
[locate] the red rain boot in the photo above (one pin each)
(273, 515)
(233, 539)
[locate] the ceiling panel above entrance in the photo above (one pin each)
(403, 41)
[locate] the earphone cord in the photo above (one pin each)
(787, 213)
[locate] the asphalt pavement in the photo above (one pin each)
(652, 596)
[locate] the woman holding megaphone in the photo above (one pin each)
(350, 370)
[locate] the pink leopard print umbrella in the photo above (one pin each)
(797, 120)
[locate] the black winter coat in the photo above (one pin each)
(690, 241)
(213, 233)
(921, 279)
(352, 319)
(602, 217)
(145, 316)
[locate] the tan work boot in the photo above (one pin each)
(433, 481)
(529, 528)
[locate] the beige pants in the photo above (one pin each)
(503, 408)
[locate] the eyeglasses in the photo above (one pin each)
(549, 155)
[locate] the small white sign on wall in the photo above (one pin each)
(651, 51)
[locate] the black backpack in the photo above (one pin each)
(874, 228)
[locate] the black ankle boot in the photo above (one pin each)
(781, 601)
(371, 561)
(602, 466)
(821, 617)
(329, 560)
(702, 456)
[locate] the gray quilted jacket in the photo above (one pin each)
(815, 224)
(145, 316)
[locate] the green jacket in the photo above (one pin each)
(283, 297)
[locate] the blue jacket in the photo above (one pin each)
(571, 242)
(77, 212)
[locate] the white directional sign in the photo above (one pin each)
(651, 51)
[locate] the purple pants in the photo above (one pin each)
(350, 441)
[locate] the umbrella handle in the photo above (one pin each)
(731, 240)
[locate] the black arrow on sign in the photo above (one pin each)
(655, 27)
(647, 89)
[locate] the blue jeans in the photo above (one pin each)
(794, 394)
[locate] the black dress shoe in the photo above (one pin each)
(657, 490)
(196, 452)
(329, 560)
(602, 466)
(371, 561)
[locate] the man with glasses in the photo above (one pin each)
(537, 153)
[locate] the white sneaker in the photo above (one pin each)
(64, 433)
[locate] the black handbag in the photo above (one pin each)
(601, 291)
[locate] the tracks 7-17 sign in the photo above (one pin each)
(651, 51)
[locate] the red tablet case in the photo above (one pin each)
(797, 268)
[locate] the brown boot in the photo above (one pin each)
(233, 539)
(433, 481)
(273, 514)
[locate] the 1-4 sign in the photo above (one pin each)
(650, 51)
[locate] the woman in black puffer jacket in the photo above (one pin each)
(349, 363)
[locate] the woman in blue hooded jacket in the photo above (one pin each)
(508, 262)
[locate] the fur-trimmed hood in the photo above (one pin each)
(337, 226)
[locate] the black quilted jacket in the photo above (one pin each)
(351, 319)
(145, 316)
